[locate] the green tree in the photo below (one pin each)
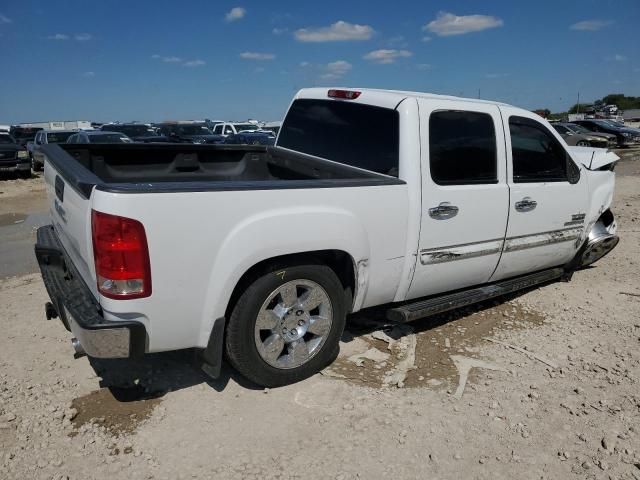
(580, 107)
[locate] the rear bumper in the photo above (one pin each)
(77, 307)
(17, 165)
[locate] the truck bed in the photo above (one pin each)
(178, 167)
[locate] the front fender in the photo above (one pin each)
(275, 233)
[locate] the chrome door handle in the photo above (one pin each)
(526, 204)
(443, 211)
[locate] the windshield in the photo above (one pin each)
(25, 133)
(5, 139)
(58, 137)
(577, 128)
(133, 130)
(109, 138)
(606, 123)
(190, 130)
(243, 127)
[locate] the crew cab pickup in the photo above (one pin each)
(419, 202)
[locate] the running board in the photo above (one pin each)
(431, 306)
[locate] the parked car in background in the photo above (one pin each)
(23, 135)
(625, 136)
(98, 136)
(612, 140)
(260, 253)
(231, 128)
(251, 138)
(14, 157)
(45, 137)
(272, 127)
(138, 132)
(197, 133)
(572, 137)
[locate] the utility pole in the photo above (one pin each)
(478, 93)
(578, 110)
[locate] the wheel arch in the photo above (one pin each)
(341, 262)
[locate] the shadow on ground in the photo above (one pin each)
(155, 375)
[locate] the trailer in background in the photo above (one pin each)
(60, 125)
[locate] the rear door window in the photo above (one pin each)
(359, 135)
(462, 148)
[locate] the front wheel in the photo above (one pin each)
(287, 324)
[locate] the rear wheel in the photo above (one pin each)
(287, 324)
(24, 174)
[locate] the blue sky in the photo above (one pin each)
(144, 60)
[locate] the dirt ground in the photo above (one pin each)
(539, 385)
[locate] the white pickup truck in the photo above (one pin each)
(421, 202)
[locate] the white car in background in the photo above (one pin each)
(232, 128)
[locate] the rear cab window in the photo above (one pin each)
(358, 135)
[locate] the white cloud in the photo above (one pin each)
(235, 13)
(83, 37)
(258, 69)
(58, 36)
(5, 19)
(426, 39)
(304, 64)
(423, 66)
(397, 41)
(279, 31)
(495, 75)
(447, 24)
(89, 74)
(194, 63)
(619, 58)
(591, 25)
(386, 56)
(335, 70)
(257, 56)
(178, 60)
(339, 31)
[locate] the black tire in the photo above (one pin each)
(24, 174)
(240, 345)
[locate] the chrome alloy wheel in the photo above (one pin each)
(293, 323)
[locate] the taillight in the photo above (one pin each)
(344, 94)
(121, 256)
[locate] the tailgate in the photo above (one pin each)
(70, 212)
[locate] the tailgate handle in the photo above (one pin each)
(59, 188)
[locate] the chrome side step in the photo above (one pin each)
(431, 306)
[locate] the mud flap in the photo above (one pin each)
(212, 355)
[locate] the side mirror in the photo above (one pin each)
(573, 171)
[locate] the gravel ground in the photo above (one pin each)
(564, 403)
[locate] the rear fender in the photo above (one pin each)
(275, 233)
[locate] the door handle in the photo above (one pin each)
(526, 204)
(443, 211)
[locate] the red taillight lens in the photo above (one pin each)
(121, 256)
(344, 94)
